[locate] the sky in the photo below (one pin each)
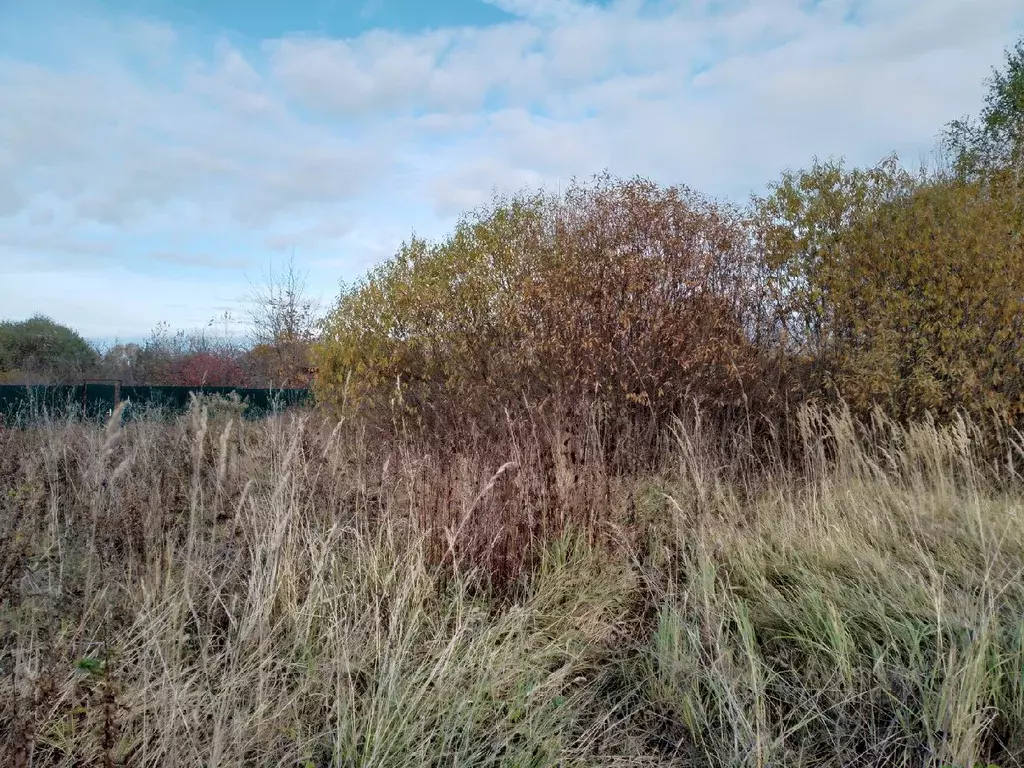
(159, 156)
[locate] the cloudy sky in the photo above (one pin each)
(157, 154)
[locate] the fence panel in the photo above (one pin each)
(94, 400)
(99, 398)
(21, 404)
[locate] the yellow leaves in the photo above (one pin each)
(903, 284)
(901, 291)
(620, 284)
(639, 398)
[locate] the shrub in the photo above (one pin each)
(40, 349)
(124, 361)
(620, 291)
(211, 369)
(902, 291)
(279, 364)
(180, 359)
(284, 320)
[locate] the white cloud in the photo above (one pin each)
(143, 144)
(474, 184)
(377, 72)
(382, 73)
(311, 233)
(206, 261)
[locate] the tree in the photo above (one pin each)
(996, 140)
(184, 358)
(122, 361)
(38, 349)
(283, 324)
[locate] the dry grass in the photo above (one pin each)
(295, 592)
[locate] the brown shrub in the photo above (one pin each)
(621, 292)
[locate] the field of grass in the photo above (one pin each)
(299, 592)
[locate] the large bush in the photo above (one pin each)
(874, 285)
(903, 292)
(40, 350)
(618, 291)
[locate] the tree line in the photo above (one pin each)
(275, 353)
(880, 286)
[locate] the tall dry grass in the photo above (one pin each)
(297, 592)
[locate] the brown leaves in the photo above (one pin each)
(621, 290)
(871, 284)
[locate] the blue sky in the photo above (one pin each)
(155, 155)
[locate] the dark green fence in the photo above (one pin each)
(94, 400)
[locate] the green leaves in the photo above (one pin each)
(44, 348)
(995, 141)
(90, 666)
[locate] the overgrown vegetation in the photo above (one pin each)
(38, 349)
(903, 292)
(620, 292)
(661, 481)
(291, 592)
(283, 319)
(874, 285)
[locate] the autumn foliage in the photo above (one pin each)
(209, 369)
(875, 286)
(904, 292)
(621, 292)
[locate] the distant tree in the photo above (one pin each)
(186, 358)
(154, 362)
(283, 325)
(995, 140)
(213, 368)
(40, 350)
(121, 362)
